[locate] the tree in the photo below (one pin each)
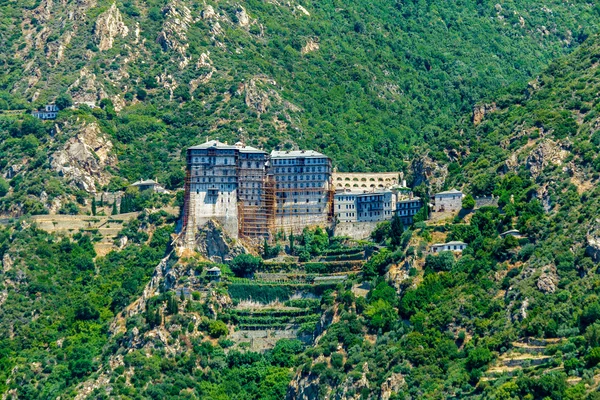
(396, 230)
(63, 101)
(468, 202)
(172, 307)
(479, 357)
(3, 187)
(245, 265)
(217, 329)
(94, 206)
(381, 315)
(442, 262)
(114, 208)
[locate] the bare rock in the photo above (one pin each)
(86, 88)
(548, 280)
(173, 36)
(592, 248)
(242, 17)
(310, 46)
(481, 110)
(548, 152)
(7, 262)
(391, 385)
(424, 169)
(109, 25)
(208, 13)
(83, 159)
(523, 309)
(212, 241)
(302, 10)
(303, 387)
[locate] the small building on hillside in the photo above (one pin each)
(214, 274)
(50, 111)
(450, 246)
(448, 201)
(513, 232)
(149, 184)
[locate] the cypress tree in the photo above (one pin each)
(172, 305)
(114, 208)
(93, 206)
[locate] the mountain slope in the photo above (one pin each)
(363, 81)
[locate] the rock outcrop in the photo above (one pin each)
(303, 387)
(242, 17)
(548, 280)
(310, 46)
(592, 248)
(481, 110)
(173, 36)
(391, 385)
(109, 25)
(86, 88)
(7, 263)
(548, 152)
(213, 243)
(83, 159)
(426, 170)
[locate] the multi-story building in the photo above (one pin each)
(407, 208)
(374, 206)
(302, 186)
(363, 206)
(254, 195)
(213, 183)
(344, 207)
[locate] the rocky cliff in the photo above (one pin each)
(84, 158)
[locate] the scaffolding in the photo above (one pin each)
(281, 210)
(186, 208)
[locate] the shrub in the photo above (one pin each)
(245, 265)
(217, 328)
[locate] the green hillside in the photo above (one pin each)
(307, 316)
(364, 82)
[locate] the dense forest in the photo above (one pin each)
(375, 85)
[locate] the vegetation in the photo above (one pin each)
(391, 83)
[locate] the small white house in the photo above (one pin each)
(49, 112)
(149, 184)
(513, 232)
(450, 246)
(450, 200)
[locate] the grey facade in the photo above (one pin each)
(302, 189)
(406, 209)
(448, 201)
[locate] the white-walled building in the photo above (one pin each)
(450, 246)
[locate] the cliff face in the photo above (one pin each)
(109, 25)
(84, 158)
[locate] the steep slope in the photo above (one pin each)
(363, 81)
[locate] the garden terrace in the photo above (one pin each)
(314, 267)
(263, 293)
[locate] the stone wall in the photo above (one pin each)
(222, 208)
(355, 230)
